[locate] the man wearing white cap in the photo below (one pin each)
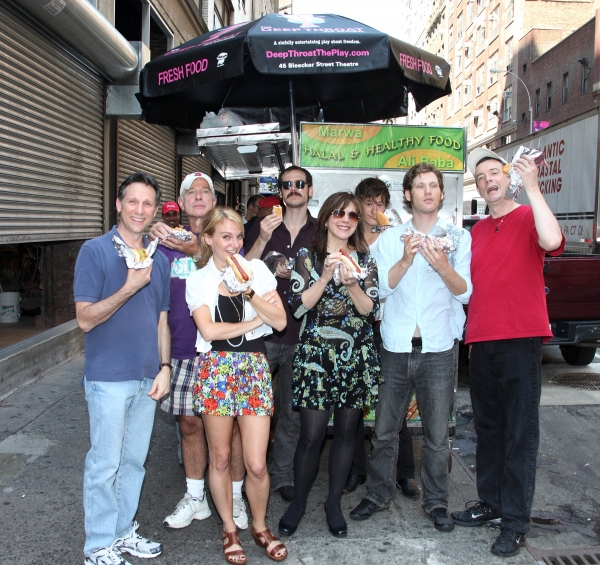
(197, 197)
(506, 326)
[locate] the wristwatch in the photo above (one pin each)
(196, 258)
(248, 296)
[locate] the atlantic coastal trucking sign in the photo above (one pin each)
(354, 146)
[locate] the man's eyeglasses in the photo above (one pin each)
(287, 184)
(352, 216)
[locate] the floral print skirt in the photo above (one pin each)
(232, 383)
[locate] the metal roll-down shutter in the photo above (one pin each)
(51, 137)
(150, 149)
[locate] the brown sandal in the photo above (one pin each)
(237, 556)
(264, 539)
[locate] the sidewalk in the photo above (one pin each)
(43, 442)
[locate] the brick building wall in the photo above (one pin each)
(564, 14)
(552, 67)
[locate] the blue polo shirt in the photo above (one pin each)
(124, 347)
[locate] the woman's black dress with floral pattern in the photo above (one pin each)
(336, 362)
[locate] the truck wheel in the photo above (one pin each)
(575, 355)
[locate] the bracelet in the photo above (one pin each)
(166, 365)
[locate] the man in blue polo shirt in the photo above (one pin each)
(123, 313)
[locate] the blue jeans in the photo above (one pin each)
(505, 380)
(432, 375)
(121, 420)
(287, 430)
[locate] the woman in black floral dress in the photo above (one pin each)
(336, 366)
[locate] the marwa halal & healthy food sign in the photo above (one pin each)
(355, 146)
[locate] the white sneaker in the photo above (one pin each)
(240, 516)
(136, 545)
(105, 556)
(189, 508)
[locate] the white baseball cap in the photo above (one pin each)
(477, 155)
(189, 180)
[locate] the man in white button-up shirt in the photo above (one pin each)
(426, 281)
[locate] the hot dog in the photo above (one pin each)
(350, 263)
(382, 219)
(241, 268)
(139, 255)
(278, 211)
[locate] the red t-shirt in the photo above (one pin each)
(509, 299)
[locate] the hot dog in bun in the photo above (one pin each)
(382, 219)
(349, 262)
(241, 268)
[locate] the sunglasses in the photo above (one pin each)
(352, 216)
(287, 184)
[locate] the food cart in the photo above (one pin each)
(339, 156)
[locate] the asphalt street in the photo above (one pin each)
(44, 439)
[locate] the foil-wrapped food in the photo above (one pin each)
(135, 258)
(232, 283)
(348, 259)
(516, 183)
(273, 259)
(388, 219)
(438, 236)
(181, 234)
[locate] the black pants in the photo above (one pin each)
(505, 380)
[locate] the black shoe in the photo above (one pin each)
(286, 492)
(337, 524)
(408, 488)
(353, 482)
(508, 543)
(475, 515)
(291, 519)
(441, 520)
(365, 510)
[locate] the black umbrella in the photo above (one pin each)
(352, 72)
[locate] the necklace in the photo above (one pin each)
(240, 318)
(500, 223)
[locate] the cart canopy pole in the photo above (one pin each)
(294, 133)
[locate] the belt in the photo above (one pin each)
(417, 342)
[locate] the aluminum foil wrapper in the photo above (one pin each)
(123, 250)
(438, 236)
(337, 278)
(182, 235)
(516, 183)
(394, 219)
(231, 282)
(273, 259)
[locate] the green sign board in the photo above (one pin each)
(355, 146)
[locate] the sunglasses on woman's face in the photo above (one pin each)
(287, 184)
(352, 216)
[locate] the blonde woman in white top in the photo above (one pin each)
(233, 377)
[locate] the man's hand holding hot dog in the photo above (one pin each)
(267, 226)
(163, 232)
(411, 248)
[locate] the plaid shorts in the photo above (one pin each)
(180, 401)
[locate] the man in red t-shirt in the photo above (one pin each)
(506, 326)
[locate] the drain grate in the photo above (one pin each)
(573, 556)
(581, 381)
